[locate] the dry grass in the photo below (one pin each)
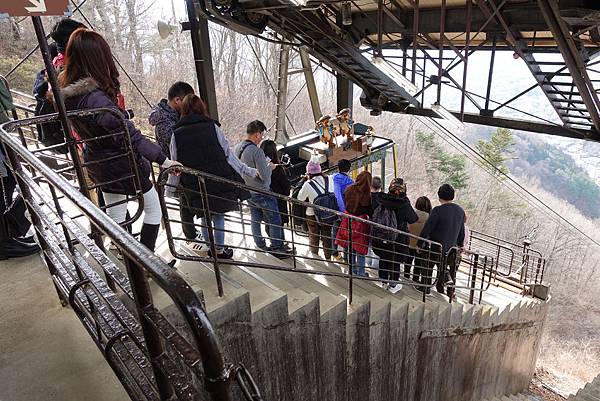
(570, 364)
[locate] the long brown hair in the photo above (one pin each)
(193, 104)
(89, 56)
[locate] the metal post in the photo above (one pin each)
(344, 92)
(395, 156)
(415, 42)
(441, 51)
(59, 102)
(143, 301)
(473, 278)
(211, 234)
(490, 76)
(310, 84)
(281, 136)
(350, 255)
(202, 59)
(466, 60)
(383, 170)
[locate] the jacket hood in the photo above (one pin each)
(392, 201)
(342, 179)
(163, 112)
(80, 88)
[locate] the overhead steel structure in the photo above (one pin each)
(415, 37)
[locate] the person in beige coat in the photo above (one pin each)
(422, 273)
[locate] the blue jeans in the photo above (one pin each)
(358, 262)
(334, 229)
(218, 225)
(264, 208)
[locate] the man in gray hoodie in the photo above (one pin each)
(262, 206)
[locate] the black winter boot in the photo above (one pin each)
(148, 235)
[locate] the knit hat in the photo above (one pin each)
(313, 166)
(397, 186)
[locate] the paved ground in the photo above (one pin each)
(45, 353)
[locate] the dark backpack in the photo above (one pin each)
(49, 134)
(386, 217)
(325, 199)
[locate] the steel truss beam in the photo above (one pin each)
(512, 123)
(573, 60)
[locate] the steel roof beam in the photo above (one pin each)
(513, 123)
(573, 60)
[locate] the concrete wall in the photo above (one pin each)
(375, 350)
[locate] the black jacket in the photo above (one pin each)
(446, 225)
(280, 184)
(198, 148)
(405, 214)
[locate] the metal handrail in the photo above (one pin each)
(78, 114)
(139, 261)
(431, 257)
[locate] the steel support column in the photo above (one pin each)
(311, 87)
(281, 136)
(203, 59)
(344, 92)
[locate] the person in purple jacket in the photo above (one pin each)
(90, 80)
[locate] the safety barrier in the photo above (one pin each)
(367, 240)
(151, 358)
(516, 265)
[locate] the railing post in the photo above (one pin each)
(350, 256)
(142, 296)
(473, 278)
(211, 234)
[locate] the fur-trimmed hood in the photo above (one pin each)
(80, 88)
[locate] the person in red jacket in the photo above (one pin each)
(358, 203)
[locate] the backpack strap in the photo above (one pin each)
(246, 144)
(313, 184)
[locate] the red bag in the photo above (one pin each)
(360, 234)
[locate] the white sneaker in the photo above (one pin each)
(197, 246)
(395, 288)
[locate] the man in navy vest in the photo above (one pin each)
(262, 207)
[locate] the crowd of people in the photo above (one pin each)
(384, 225)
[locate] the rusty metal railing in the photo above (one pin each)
(152, 359)
(393, 261)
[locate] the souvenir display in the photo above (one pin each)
(346, 124)
(370, 134)
(325, 129)
(338, 140)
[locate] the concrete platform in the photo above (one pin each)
(45, 353)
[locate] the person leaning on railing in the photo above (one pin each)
(199, 143)
(90, 80)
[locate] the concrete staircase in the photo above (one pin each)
(590, 392)
(302, 340)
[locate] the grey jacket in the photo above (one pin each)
(254, 157)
